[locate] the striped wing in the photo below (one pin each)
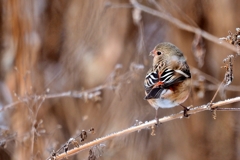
(155, 83)
(151, 79)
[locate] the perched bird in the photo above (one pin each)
(167, 83)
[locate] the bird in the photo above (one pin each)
(168, 82)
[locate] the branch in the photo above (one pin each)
(228, 109)
(193, 110)
(182, 25)
(89, 94)
(86, 94)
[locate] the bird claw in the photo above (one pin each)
(185, 112)
(157, 122)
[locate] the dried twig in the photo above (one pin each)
(86, 94)
(179, 115)
(94, 94)
(71, 142)
(215, 82)
(233, 39)
(182, 25)
(229, 70)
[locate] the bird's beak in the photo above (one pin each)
(151, 53)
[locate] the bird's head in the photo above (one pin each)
(166, 51)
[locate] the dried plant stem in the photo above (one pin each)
(216, 82)
(179, 115)
(228, 109)
(75, 94)
(182, 25)
(206, 76)
(216, 92)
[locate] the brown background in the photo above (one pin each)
(49, 47)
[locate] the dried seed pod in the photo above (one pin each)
(96, 151)
(233, 39)
(229, 70)
(83, 135)
(198, 49)
(91, 155)
(91, 130)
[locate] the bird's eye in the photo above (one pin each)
(159, 53)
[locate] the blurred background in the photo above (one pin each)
(48, 48)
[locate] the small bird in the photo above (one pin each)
(167, 83)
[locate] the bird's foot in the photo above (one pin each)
(185, 110)
(185, 114)
(157, 122)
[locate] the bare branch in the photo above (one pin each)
(228, 109)
(182, 25)
(76, 94)
(192, 110)
(91, 94)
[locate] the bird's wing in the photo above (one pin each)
(155, 83)
(151, 79)
(176, 77)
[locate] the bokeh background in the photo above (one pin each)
(50, 47)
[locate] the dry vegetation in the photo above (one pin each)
(72, 72)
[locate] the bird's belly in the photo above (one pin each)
(168, 99)
(165, 103)
(162, 103)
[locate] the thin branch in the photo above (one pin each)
(216, 92)
(182, 25)
(113, 80)
(75, 94)
(193, 110)
(11, 105)
(205, 75)
(228, 109)
(216, 82)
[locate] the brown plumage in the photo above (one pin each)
(167, 83)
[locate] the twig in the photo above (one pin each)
(216, 82)
(228, 109)
(11, 105)
(75, 94)
(205, 75)
(179, 115)
(216, 92)
(182, 25)
(93, 93)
